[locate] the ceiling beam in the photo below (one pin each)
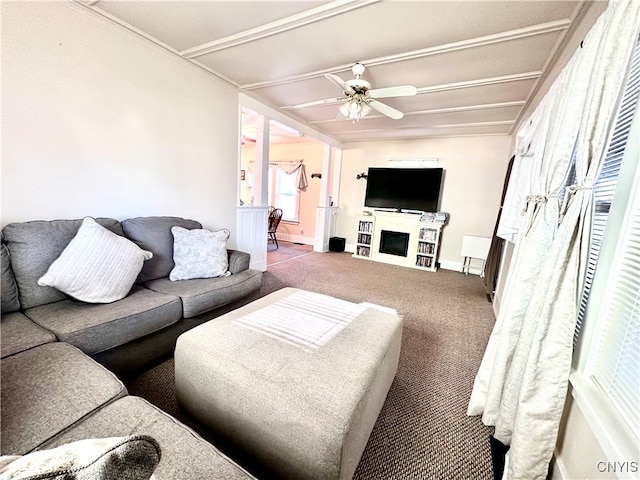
(89, 7)
(279, 26)
(495, 123)
(480, 83)
(507, 36)
(424, 136)
(438, 88)
(580, 12)
(274, 114)
(475, 124)
(466, 108)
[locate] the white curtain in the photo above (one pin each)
(527, 144)
(299, 170)
(522, 382)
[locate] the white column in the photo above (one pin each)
(252, 235)
(324, 219)
(336, 171)
(252, 219)
(324, 228)
(326, 177)
(261, 164)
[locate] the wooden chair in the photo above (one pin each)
(275, 216)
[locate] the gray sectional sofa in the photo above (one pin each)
(59, 355)
(121, 335)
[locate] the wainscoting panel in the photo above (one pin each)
(252, 234)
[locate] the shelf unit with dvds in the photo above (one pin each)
(426, 254)
(365, 237)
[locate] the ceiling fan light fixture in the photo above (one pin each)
(359, 99)
(354, 109)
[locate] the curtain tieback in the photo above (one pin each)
(536, 199)
(569, 192)
(533, 200)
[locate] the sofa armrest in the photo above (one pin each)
(238, 261)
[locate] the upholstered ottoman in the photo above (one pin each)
(296, 379)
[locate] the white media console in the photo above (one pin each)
(398, 238)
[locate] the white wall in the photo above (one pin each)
(97, 121)
(474, 167)
(578, 454)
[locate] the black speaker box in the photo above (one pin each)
(336, 244)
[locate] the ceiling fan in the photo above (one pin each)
(359, 99)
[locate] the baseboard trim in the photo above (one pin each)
(558, 471)
(287, 237)
(444, 264)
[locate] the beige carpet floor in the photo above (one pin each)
(285, 251)
(423, 431)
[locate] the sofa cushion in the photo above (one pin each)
(185, 455)
(34, 246)
(19, 333)
(96, 327)
(97, 266)
(118, 458)
(154, 234)
(199, 253)
(9, 294)
(204, 294)
(45, 390)
(238, 261)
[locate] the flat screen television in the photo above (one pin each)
(415, 189)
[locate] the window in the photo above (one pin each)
(283, 193)
(608, 178)
(607, 380)
(616, 364)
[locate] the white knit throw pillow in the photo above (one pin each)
(97, 266)
(199, 253)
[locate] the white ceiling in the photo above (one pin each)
(476, 64)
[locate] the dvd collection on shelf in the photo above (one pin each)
(365, 226)
(427, 235)
(364, 238)
(428, 248)
(424, 261)
(363, 251)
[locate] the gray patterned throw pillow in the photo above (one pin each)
(199, 253)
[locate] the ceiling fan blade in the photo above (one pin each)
(341, 83)
(326, 101)
(386, 110)
(399, 91)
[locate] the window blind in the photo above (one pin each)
(616, 367)
(608, 178)
(607, 378)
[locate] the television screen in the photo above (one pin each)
(404, 188)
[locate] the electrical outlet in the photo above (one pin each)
(302, 230)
